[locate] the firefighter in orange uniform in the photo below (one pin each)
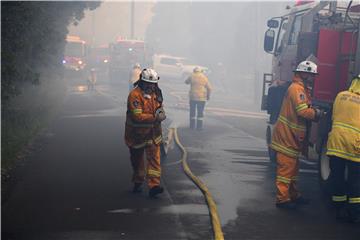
(143, 134)
(343, 148)
(289, 136)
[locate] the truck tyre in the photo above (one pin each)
(324, 170)
(272, 153)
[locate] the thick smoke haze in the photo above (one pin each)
(226, 37)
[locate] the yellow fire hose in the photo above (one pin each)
(215, 220)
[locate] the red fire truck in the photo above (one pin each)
(325, 32)
(75, 52)
(124, 53)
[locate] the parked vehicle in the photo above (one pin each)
(124, 53)
(75, 53)
(99, 58)
(172, 67)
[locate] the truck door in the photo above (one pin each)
(288, 60)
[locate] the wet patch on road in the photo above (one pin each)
(249, 152)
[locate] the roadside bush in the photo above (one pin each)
(32, 86)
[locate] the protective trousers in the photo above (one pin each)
(345, 191)
(287, 172)
(199, 106)
(153, 167)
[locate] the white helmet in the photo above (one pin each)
(307, 67)
(137, 65)
(197, 69)
(149, 75)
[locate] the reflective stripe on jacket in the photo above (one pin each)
(200, 87)
(344, 137)
(290, 129)
(141, 128)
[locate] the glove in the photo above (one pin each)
(160, 114)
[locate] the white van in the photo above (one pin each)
(173, 67)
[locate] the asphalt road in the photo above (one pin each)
(76, 184)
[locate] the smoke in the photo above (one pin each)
(226, 37)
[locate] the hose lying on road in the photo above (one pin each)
(215, 220)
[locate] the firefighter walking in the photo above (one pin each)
(200, 90)
(290, 134)
(343, 149)
(143, 134)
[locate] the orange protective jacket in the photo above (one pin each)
(289, 136)
(200, 87)
(141, 127)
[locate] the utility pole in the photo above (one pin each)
(258, 59)
(93, 29)
(132, 15)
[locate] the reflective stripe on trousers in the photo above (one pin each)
(153, 167)
(345, 191)
(287, 171)
(197, 113)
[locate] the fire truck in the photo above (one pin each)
(124, 53)
(327, 33)
(74, 57)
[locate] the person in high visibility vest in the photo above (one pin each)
(289, 137)
(200, 90)
(343, 149)
(143, 133)
(91, 81)
(134, 75)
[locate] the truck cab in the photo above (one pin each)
(75, 53)
(123, 54)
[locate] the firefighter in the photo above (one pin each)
(343, 149)
(143, 134)
(92, 79)
(199, 93)
(134, 76)
(290, 134)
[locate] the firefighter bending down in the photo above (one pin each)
(143, 134)
(92, 79)
(199, 93)
(289, 139)
(343, 148)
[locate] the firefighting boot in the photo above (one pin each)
(137, 188)
(286, 205)
(354, 218)
(341, 213)
(199, 124)
(353, 215)
(155, 191)
(302, 201)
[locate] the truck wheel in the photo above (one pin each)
(324, 170)
(272, 153)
